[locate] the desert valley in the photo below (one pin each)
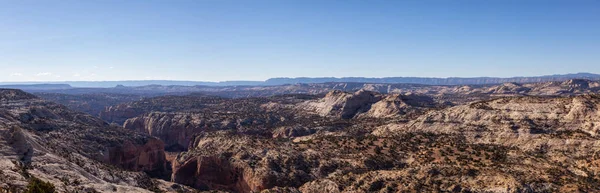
(308, 137)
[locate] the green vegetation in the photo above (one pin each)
(38, 186)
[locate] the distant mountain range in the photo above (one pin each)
(29, 86)
(436, 81)
(303, 80)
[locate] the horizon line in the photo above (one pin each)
(300, 77)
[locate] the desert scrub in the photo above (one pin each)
(38, 186)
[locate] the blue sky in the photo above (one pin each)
(215, 40)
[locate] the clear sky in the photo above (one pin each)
(215, 40)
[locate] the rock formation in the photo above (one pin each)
(340, 104)
(347, 137)
(366, 104)
(50, 142)
(508, 144)
(176, 129)
(239, 163)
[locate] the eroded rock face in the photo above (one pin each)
(194, 102)
(49, 140)
(176, 119)
(176, 130)
(206, 173)
(13, 94)
(320, 186)
(294, 131)
(225, 162)
(519, 115)
(509, 88)
(367, 104)
(148, 157)
(120, 113)
(91, 103)
(394, 105)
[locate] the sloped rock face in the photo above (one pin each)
(176, 124)
(520, 115)
(75, 145)
(178, 129)
(565, 88)
(13, 94)
(120, 113)
(90, 103)
(395, 104)
(341, 104)
(148, 157)
(359, 102)
(293, 131)
(175, 129)
(366, 104)
(17, 140)
(579, 83)
(206, 173)
(320, 186)
(509, 88)
(240, 164)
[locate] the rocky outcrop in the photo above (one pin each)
(524, 115)
(148, 157)
(206, 173)
(178, 129)
(175, 129)
(120, 113)
(240, 164)
(394, 105)
(90, 103)
(45, 140)
(13, 94)
(508, 88)
(367, 104)
(18, 141)
(341, 104)
(320, 186)
(188, 103)
(293, 131)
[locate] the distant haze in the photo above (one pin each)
(303, 80)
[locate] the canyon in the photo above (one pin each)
(320, 137)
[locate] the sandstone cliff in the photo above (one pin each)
(52, 143)
(240, 164)
(176, 129)
(366, 104)
(340, 104)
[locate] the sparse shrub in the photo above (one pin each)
(376, 186)
(472, 172)
(370, 143)
(10, 189)
(377, 150)
(38, 186)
